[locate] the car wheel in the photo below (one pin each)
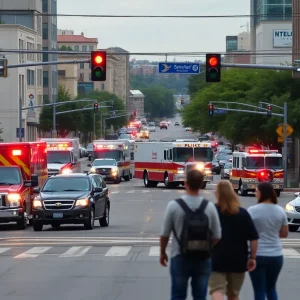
(22, 223)
(37, 226)
(104, 221)
(89, 224)
(293, 228)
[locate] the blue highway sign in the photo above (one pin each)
(18, 132)
(178, 68)
(220, 111)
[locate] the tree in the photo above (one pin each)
(245, 86)
(159, 102)
(65, 48)
(65, 122)
(1, 131)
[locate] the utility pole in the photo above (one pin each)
(94, 127)
(296, 35)
(285, 147)
(20, 120)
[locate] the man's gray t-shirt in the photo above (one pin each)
(174, 217)
(268, 220)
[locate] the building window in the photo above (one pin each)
(102, 87)
(45, 55)
(30, 56)
(45, 6)
(76, 48)
(30, 77)
(39, 99)
(81, 77)
(45, 98)
(81, 65)
(21, 55)
(39, 55)
(45, 79)
(61, 73)
(39, 77)
(45, 31)
(91, 48)
(84, 48)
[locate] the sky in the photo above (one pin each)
(156, 35)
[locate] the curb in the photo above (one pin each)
(295, 190)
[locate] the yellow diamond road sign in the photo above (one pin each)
(280, 130)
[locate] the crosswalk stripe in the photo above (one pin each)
(130, 192)
(166, 191)
(290, 253)
(118, 251)
(33, 252)
(117, 192)
(145, 192)
(2, 250)
(154, 251)
(76, 252)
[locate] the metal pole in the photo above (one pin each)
(54, 116)
(285, 143)
(20, 120)
(94, 127)
(101, 125)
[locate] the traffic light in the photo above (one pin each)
(213, 67)
(3, 68)
(210, 110)
(98, 65)
(96, 107)
(134, 113)
(269, 110)
(182, 101)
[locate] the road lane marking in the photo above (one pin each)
(76, 251)
(33, 252)
(130, 192)
(154, 251)
(166, 191)
(115, 192)
(145, 192)
(290, 253)
(2, 250)
(118, 251)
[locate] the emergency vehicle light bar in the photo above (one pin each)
(60, 146)
(255, 151)
(107, 146)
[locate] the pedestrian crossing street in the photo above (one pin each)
(102, 253)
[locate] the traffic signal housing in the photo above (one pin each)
(134, 113)
(213, 67)
(210, 110)
(96, 107)
(269, 110)
(98, 65)
(3, 69)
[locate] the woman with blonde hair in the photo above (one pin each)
(231, 258)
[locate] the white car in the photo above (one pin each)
(292, 210)
(188, 129)
(151, 127)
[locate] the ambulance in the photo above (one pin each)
(62, 155)
(118, 150)
(168, 162)
(23, 166)
(253, 166)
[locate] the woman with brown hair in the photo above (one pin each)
(271, 224)
(230, 257)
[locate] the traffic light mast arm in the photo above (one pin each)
(80, 109)
(246, 111)
(238, 103)
(266, 103)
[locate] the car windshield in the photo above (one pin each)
(151, 124)
(64, 184)
(199, 154)
(124, 136)
(273, 162)
(228, 166)
(255, 162)
(113, 154)
(58, 157)
(225, 157)
(89, 146)
(9, 176)
(145, 128)
(104, 162)
(130, 129)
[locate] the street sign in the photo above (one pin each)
(18, 133)
(220, 111)
(280, 130)
(289, 140)
(178, 68)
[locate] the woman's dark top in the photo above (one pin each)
(231, 253)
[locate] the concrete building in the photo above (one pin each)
(65, 32)
(68, 76)
(50, 43)
(113, 84)
(271, 31)
(122, 83)
(22, 84)
(136, 102)
(231, 43)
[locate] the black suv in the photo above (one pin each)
(71, 199)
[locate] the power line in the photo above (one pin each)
(149, 16)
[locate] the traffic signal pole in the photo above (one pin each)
(283, 115)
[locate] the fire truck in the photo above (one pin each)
(254, 166)
(23, 166)
(118, 150)
(63, 155)
(168, 162)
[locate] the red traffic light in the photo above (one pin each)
(269, 107)
(213, 61)
(95, 104)
(98, 59)
(210, 106)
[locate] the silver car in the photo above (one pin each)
(151, 127)
(292, 210)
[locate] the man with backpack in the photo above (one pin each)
(196, 228)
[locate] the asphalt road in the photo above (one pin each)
(115, 263)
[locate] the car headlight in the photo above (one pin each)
(14, 200)
(37, 203)
(289, 207)
(207, 171)
(93, 170)
(82, 202)
(200, 166)
(180, 170)
(114, 169)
